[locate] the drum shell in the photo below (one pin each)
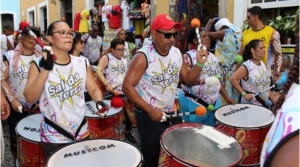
(251, 141)
(109, 127)
(29, 150)
(29, 153)
(250, 138)
(129, 109)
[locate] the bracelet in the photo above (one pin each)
(199, 64)
(243, 93)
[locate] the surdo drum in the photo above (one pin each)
(29, 148)
(110, 126)
(249, 124)
(96, 152)
(192, 144)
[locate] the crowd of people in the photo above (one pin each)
(172, 57)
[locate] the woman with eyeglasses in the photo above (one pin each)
(202, 92)
(252, 76)
(111, 71)
(59, 81)
(121, 34)
(17, 62)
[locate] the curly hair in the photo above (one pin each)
(293, 74)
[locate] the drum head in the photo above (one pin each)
(199, 145)
(97, 152)
(244, 116)
(29, 127)
(90, 109)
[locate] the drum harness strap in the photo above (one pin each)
(199, 100)
(63, 131)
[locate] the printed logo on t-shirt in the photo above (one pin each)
(263, 79)
(119, 69)
(167, 77)
(211, 68)
(66, 88)
(22, 72)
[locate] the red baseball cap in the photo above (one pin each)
(164, 22)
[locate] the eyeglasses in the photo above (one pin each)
(168, 35)
(64, 34)
(120, 50)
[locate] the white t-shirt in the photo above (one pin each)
(11, 40)
(3, 44)
(159, 82)
(105, 9)
(92, 48)
(62, 100)
(126, 22)
(115, 71)
(211, 67)
(18, 79)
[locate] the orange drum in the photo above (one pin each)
(249, 124)
(130, 112)
(97, 80)
(29, 148)
(192, 144)
(110, 126)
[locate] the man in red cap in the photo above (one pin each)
(151, 82)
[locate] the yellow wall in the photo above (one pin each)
(230, 9)
(53, 12)
(79, 5)
(24, 5)
(162, 7)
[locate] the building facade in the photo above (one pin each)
(10, 14)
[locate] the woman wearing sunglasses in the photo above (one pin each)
(59, 81)
(17, 64)
(77, 46)
(201, 92)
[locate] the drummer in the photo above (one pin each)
(151, 82)
(201, 92)
(59, 83)
(252, 76)
(17, 64)
(114, 66)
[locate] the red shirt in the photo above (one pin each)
(76, 21)
(115, 17)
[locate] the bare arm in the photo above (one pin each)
(132, 78)
(225, 94)
(9, 46)
(236, 77)
(190, 76)
(101, 66)
(214, 35)
(5, 109)
(35, 83)
(108, 50)
(288, 154)
(92, 87)
(277, 51)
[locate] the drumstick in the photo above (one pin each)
(277, 84)
(25, 25)
(195, 23)
(199, 111)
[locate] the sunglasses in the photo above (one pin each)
(81, 42)
(168, 35)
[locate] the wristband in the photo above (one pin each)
(199, 64)
(243, 93)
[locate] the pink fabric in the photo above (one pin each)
(18, 52)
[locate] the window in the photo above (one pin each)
(68, 12)
(267, 4)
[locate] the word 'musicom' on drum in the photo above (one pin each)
(87, 149)
(235, 110)
(31, 129)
